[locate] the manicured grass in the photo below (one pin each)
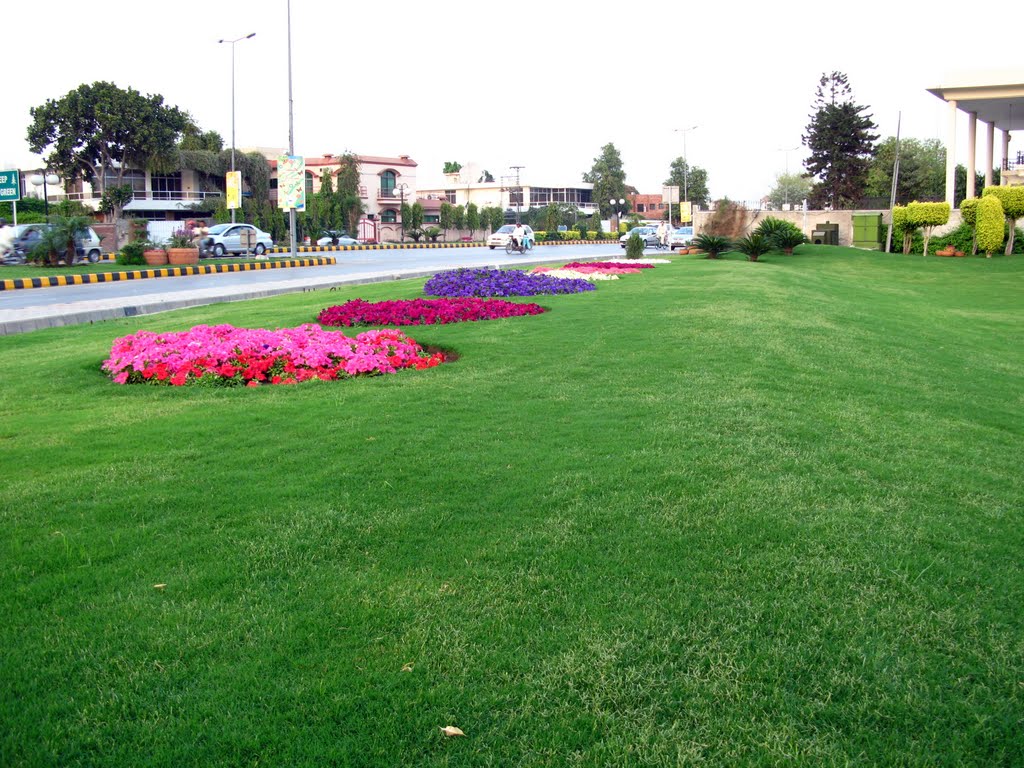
(717, 513)
(29, 270)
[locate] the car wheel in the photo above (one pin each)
(218, 251)
(93, 256)
(260, 249)
(491, 247)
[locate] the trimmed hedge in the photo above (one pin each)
(990, 224)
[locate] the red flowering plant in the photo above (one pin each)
(423, 311)
(223, 355)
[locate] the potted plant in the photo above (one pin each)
(181, 248)
(153, 254)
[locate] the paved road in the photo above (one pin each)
(34, 308)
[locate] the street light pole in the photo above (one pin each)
(291, 124)
(237, 39)
(686, 164)
(785, 188)
(43, 179)
(401, 193)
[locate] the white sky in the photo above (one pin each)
(539, 84)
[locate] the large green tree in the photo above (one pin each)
(97, 132)
(696, 181)
(789, 189)
(922, 170)
(608, 178)
(841, 144)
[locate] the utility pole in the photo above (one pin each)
(291, 124)
(519, 199)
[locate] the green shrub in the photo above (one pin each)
(781, 234)
(927, 216)
(1012, 200)
(634, 247)
(753, 246)
(433, 233)
(130, 254)
(990, 224)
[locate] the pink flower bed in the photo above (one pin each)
(223, 355)
(607, 265)
(590, 269)
(423, 311)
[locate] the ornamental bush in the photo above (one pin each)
(990, 224)
(927, 216)
(1012, 199)
(499, 282)
(969, 217)
(423, 311)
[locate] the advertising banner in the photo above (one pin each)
(291, 182)
(234, 187)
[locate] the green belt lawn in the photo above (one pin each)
(719, 513)
(28, 270)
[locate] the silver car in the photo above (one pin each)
(228, 238)
(649, 235)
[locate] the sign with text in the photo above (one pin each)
(234, 187)
(686, 211)
(291, 182)
(670, 195)
(10, 186)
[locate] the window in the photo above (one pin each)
(387, 184)
(136, 179)
(431, 218)
(515, 196)
(309, 183)
(540, 196)
(389, 216)
(167, 187)
(449, 195)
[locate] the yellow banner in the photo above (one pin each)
(234, 187)
(686, 211)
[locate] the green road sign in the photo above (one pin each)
(10, 186)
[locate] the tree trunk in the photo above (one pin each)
(1010, 237)
(908, 240)
(927, 237)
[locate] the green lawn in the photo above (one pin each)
(718, 513)
(29, 270)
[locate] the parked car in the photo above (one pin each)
(334, 237)
(648, 234)
(501, 237)
(27, 237)
(681, 237)
(227, 238)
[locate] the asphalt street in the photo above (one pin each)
(35, 308)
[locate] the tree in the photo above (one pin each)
(1012, 199)
(922, 170)
(348, 174)
(841, 142)
(472, 218)
(458, 217)
(445, 219)
(485, 178)
(608, 178)
(97, 132)
(195, 139)
(452, 167)
(696, 178)
(415, 216)
(790, 188)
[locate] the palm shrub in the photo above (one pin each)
(433, 233)
(753, 246)
(713, 245)
(634, 247)
(58, 242)
(781, 234)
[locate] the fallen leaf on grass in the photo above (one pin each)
(451, 730)
(407, 667)
(159, 586)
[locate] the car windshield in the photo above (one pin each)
(218, 228)
(506, 229)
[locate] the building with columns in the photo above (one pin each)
(999, 105)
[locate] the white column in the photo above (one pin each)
(990, 136)
(972, 141)
(951, 155)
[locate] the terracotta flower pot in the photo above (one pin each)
(157, 258)
(182, 256)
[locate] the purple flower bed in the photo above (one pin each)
(500, 282)
(423, 311)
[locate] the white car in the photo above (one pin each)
(227, 238)
(680, 237)
(336, 238)
(500, 238)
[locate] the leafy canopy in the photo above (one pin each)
(608, 178)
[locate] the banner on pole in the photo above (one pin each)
(234, 187)
(291, 182)
(685, 211)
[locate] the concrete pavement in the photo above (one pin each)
(36, 308)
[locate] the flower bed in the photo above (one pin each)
(577, 274)
(423, 311)
(500, 282)
(609, 265)
(223, 355)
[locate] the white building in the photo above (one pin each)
(510, 192)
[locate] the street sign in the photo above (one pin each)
(10, 186)
(234, 187)
(291, 182)
(670, 194)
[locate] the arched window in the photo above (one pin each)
(309, 183)
(387, 184)
(389, 216)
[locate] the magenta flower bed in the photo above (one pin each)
(226, 356)
(608, 265)
(423, 311)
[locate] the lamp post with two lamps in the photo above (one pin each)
(42, 180)
(618, 208)
(686, 164)
(236, 40)
(401, 194)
